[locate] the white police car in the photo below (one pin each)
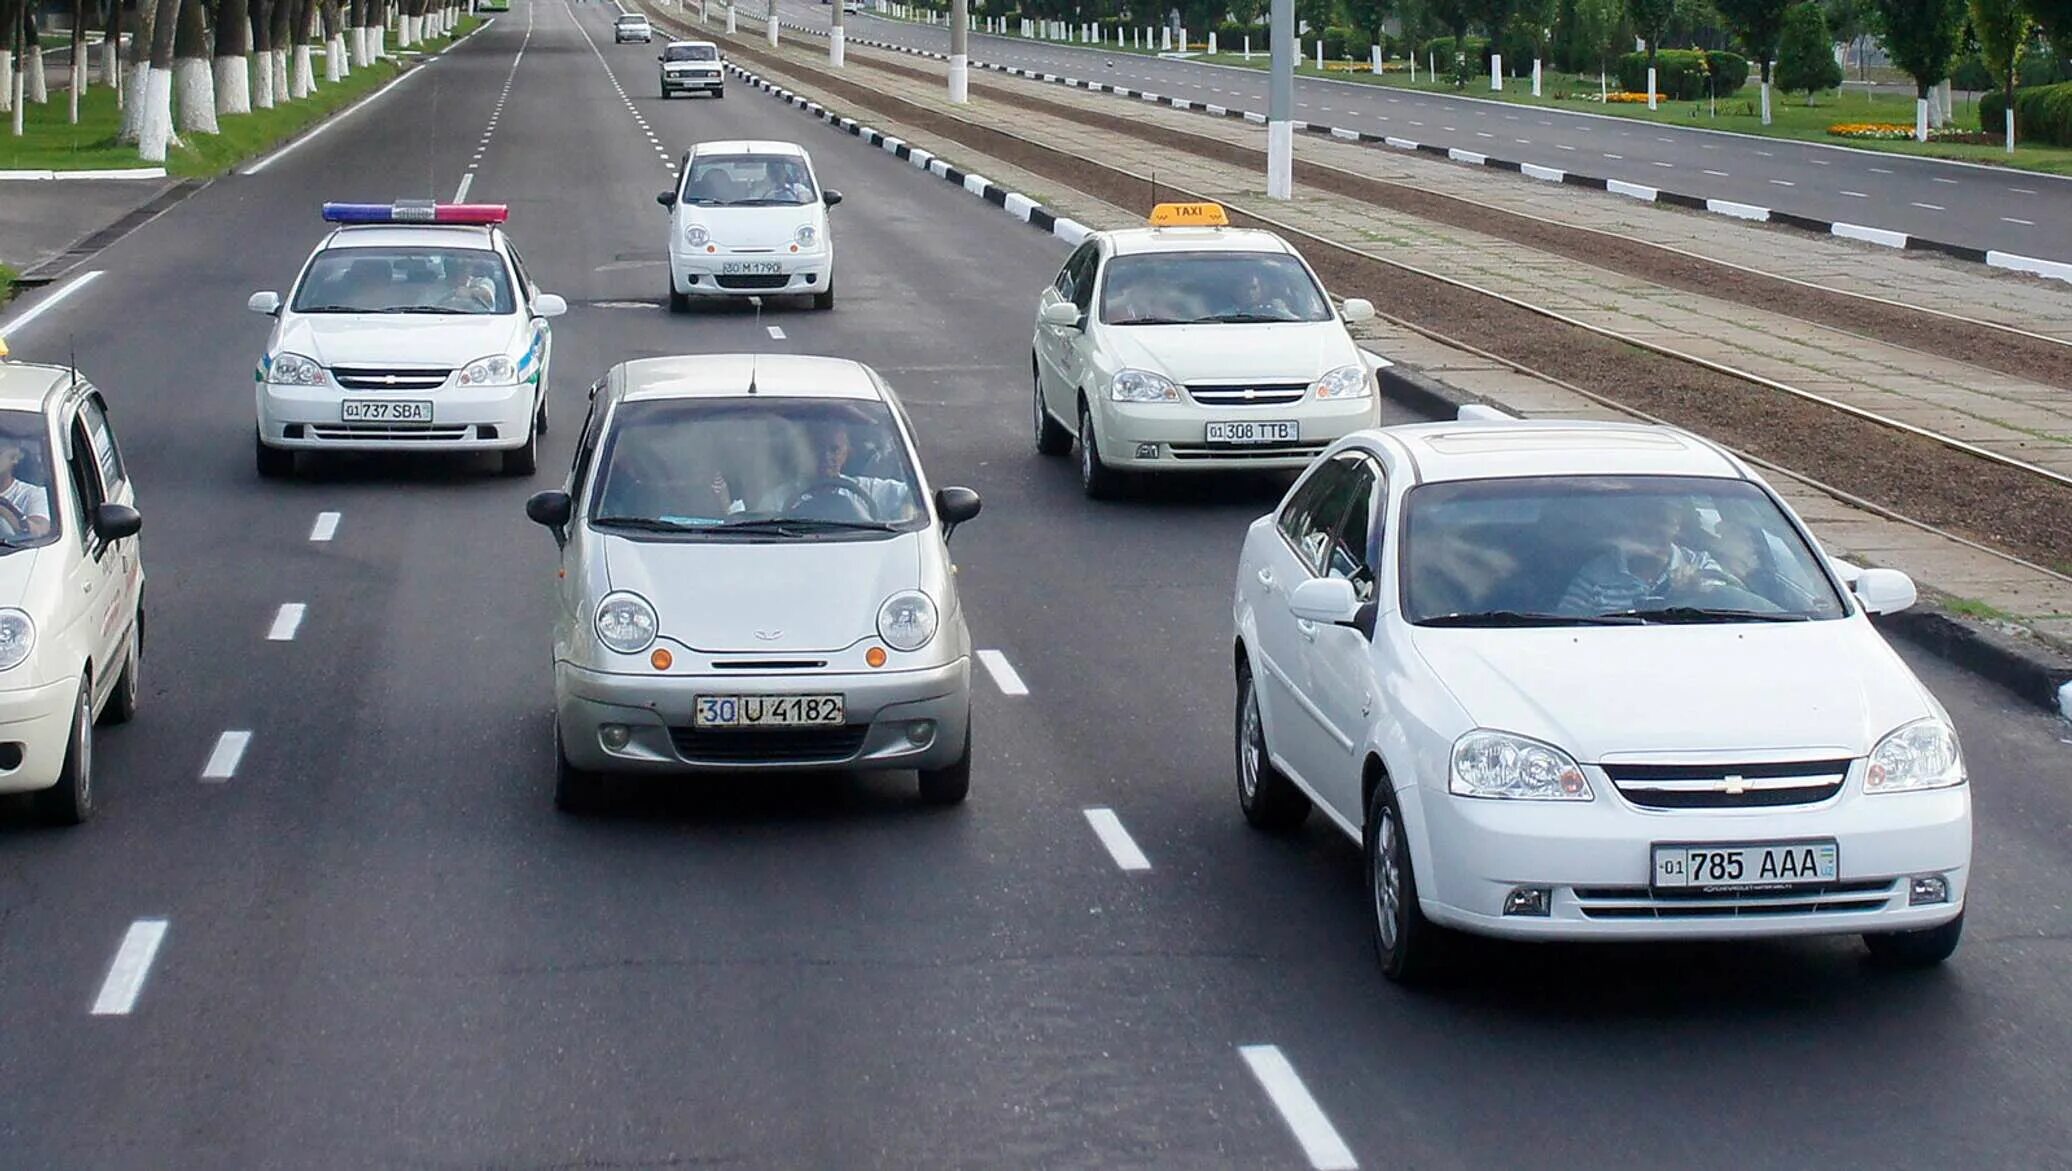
(413, 327)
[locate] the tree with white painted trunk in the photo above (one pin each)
(1650, 18)
(302, 80)
(111, 49)
(336, 62)
(1757, 24)
(139, 71)
(260, 20)
(155, 135)
(10, 78)
(35, 87)
(194, 78)
(232, 60)
(2002, 27)
(82, 66)
(281, 36)
(1921, 37)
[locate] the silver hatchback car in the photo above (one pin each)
(755, 576)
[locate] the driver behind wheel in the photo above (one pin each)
(24, 499)
(828, 476)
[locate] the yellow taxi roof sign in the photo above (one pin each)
(3, 347)
(1189, 215)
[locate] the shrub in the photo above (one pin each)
(1685, 75)
(2042, 113)
(1441, 49)
(1346, 44)
(1230, 37)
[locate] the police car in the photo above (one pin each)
(413, 327)
(1190, 345)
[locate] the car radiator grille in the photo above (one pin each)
(382, 378)
(1247, 394)
(1728, 786)
(1639, 902)
(1258, 451)
(773, 745)
(754, 281)
(404, 432)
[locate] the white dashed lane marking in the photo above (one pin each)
(1121, 846)
(1005, 677)
(224, 758)
(1319, 1139)
(2008, 219)
(776, 331)
(1931, 207)
(325, 528)
(287, 622)
(1856, 195)
(132, 964)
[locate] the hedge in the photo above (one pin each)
(2037, 68)
(1685, 75)
(2042, 113)
(1230, 37)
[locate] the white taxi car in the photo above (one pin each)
(71, 586)
(1591, 681)
(749, 219)
(631, 27)
(692, 67)
(755, 576)
(413, 327)
(1188, 346)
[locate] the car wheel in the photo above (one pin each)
(524, 461)
(122, 706)
(1051, 436)
(274, 462)
(1916, 949)
(952, 783)
(1269, 799)
(825, 298)
(71, 800)
(1097, 479)
(575, 790)
(678, 302)
(1405, 942)
(719, 93)
(666, 95)
(542, 423)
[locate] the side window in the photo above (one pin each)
(586, 451)
(1076, 280)
(1349, 553)
(526, 289)
(94, 414)
(1083, 283)
(86, 483)
(1298, 521)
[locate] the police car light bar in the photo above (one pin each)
(416, 211)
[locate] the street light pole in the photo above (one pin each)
(770, 28)
(960, 61)
(834, 33)
(1280, 104)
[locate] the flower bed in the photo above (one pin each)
(1619, 95)
(1899, 132)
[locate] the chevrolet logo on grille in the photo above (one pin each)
(1735, 785)
(1251, 392)
(390, 379)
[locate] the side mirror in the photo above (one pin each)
(1328, 600)
(113, 522)
(1884, 591)
(267, 303)
(661, 56)
(552, 508)
(666, 199)
(830, 198)
(1063, 314)
(1357, 309)
(955, 506)
(548, 305)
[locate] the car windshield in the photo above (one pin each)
(405, 280)
(691, 53)
(633, 21)
(749, 181)
(26, 518)
(1562, 550)
(769, 467)
(1190, 288)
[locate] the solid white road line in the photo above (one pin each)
(287, 622)
(1319, 1139)
(223, 761)
(325, 126)
(325, 528)
(460, 193)
(1005, 677)
(131, 965)
(1121, 846)
(49, 302)
(776, 331)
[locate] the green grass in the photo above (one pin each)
(1973, 608)
(50, 142)
(7, 276)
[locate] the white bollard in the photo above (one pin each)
(1374, 59)
(730, 19)
(1183, 40)
(1165, 38)
(1320, 54)
(1651, 87)
(1496, 73)
(1212, 44)
(1536, 77)
(1248, 46)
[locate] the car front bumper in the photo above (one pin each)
(36, 723)
(1171, 437)
(895, 720)
(688, 81)
(1596, 859)
(486, 418)
(699, 274)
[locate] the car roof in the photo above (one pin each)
(413, 236)
(626, 16)
(748, 146)
(690, 44)
(1474, 449)
(1132, 241)
(25, 385)
(728, 375)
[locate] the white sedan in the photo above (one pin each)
(1591, 681)
(749, 219)
(1191, 346)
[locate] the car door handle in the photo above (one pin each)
(1266, 579)
(1306, 628)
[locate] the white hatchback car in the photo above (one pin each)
(755, 576)
(1192, 348)
(1591, 681)
(71, 586)
(749, 219)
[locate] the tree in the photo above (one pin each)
(1455, 15)
(1494, 15)
(1846, 21)
(1921, 36)
(1649, 18)
(1757, 23)
(194, 84)
(2055, 18)
(1368, 16)
(1805, 55)
(1600, 31)
(155, 133)
(2003, 27)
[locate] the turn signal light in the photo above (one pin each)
(712, 248)
(661, 659)
(875, 656)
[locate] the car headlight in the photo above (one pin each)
(294, 370)
(1344, 382)
(1920, 755)
(1142, 386)
(907, 620)
(806, 235)
(626, 623)
(1498, 764)
(496, 370)
(17, 638)
(696, 236)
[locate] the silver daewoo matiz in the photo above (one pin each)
(755, 576)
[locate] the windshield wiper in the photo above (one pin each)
(336, 309)
(648, 524)
(1153, 321)
(428, 309)
(1699, 614)
(1524, 618)
(793, 526)
(1243, 319)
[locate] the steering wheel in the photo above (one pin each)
(17, 523)
(831, 499)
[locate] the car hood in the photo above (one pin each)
(766, 597)
(1799, 690)
(1297, 352)
(766, 228)
(16, 571)
(397, 339)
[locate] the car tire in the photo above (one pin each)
(525, 460)
(678, 302)
(576, 790)
(71, 800)
(1096, 479)
(275, 463)
(128, 694)
(1052, 438)
(1405, 942)
(719, 93)
(1270, 800)
(666, 95)
(1924, 948)
(825, 298)
(950, 784)
(543, 422)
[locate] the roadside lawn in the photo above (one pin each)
(7, 276)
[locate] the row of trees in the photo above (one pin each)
(190, 61)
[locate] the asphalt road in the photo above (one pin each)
(384, 948)
(1979, 207)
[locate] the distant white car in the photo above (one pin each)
(631, 27)
(1591, 681)
(852, 6)
(1191, 346)
(72, 584)
(749, 219)
(692, 67)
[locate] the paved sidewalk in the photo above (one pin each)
(40, 219)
